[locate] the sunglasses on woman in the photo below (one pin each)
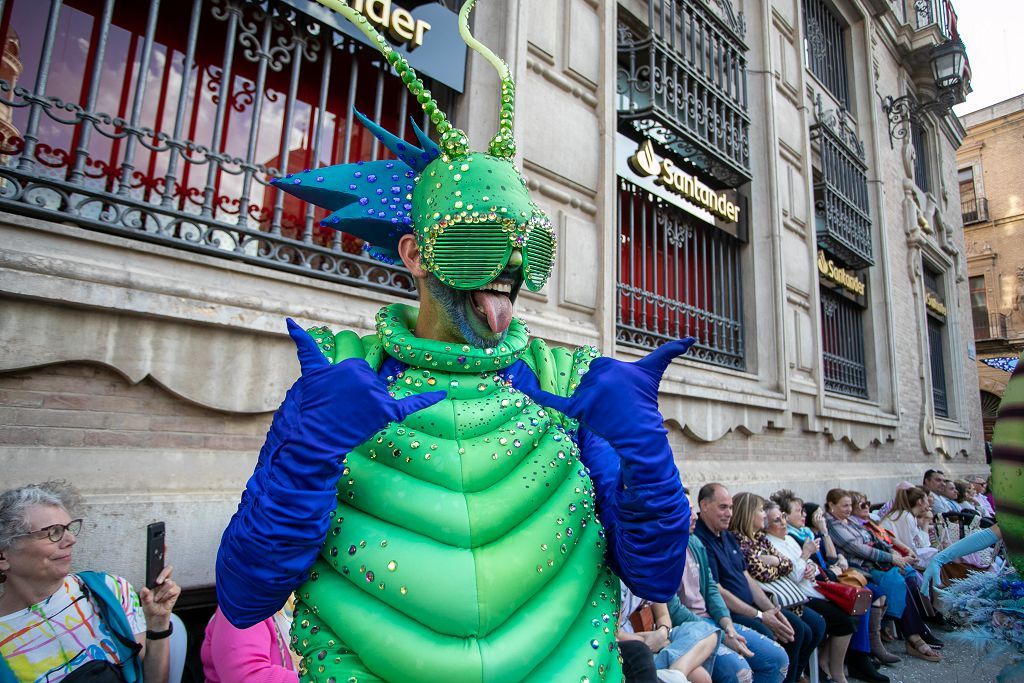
(55, 532)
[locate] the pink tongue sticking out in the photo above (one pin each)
(497, 307)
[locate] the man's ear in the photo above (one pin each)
(409, 251)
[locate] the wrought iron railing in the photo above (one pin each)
(974, 210)
(937, 12)
(994, 327)
(841, 198)
(825, 48)
(842, 337)
(922, 172)
(682, 80)
(167, 122)
(677, 277)
(940, 397)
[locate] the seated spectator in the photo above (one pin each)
(839, 626)
(748, 604)
(979, 487)
(54, 623)
(744, 655)
(902, 522)
(688, 648)
(764, 564)
(862, 512)
(827, 558)
(258, 653)
(832, 565)
(935, 482)
(964, 498)
(888, 569)
(637, 662)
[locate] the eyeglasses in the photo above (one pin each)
(865, 504)
(469, 255)
(55, 532)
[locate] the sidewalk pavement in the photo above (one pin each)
(960, 664)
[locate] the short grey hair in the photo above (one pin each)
(14, 505)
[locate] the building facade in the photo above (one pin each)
(989, 163)
(718, 169)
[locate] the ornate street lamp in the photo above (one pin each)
(949, 68)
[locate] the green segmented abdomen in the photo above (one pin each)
(464, 548)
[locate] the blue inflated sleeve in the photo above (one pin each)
(275, 535)
(642, 507)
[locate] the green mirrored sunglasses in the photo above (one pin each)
(470, 255)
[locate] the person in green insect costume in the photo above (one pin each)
(449, 499)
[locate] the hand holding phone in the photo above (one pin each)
(156, 547)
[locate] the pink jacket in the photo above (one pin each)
(252, 655)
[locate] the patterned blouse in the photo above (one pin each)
(759, 570)
(862, 550)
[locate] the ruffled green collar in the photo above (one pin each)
(394, 329)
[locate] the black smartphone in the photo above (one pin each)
(155, 545)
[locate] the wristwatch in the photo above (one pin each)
(759, 615)
(160, 635)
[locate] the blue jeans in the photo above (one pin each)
(768, 665)
(807, 632)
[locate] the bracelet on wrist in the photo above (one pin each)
(160, 635)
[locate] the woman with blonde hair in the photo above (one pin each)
(765, 564)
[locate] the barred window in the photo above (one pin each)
(825, 48)
(922, 172)
(842, 339)
(979, 306)
(936, 315)
(682, 80)
(677, 276)
(938, 367)
(167, 125)
(842, 204)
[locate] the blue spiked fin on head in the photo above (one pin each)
(370, 200)
(416, 157)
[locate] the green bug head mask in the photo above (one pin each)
(471, 213)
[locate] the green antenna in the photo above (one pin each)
(453, 142)
(502, 145)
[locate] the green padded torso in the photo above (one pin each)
(464, 546)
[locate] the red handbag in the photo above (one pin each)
(854, 601)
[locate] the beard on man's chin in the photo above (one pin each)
(464, 318)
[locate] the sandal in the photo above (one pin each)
(921, 650)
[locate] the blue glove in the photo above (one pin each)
(979, 540)
(624, 445)
(274, 537)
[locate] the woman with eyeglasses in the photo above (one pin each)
(839, 626)
(52, 626)
(888, 569)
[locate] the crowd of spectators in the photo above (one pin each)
(775, 587)
(767, 584)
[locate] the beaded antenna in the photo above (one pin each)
(468, 210)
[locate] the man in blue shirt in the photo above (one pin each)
(747, 602)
